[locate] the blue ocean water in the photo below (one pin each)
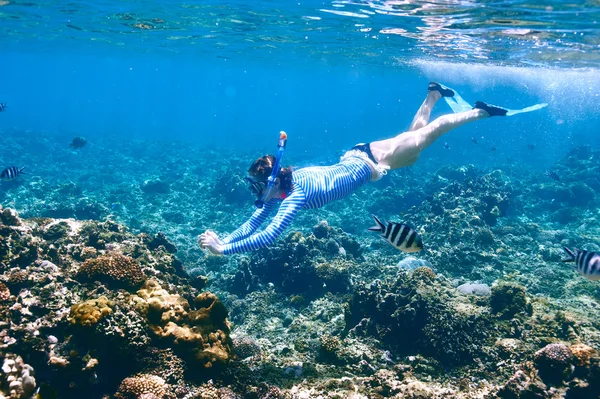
(330, 73)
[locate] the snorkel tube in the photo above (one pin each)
(275, 171)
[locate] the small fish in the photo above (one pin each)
(446, 146)
(493, 149)
(3, 107)
(474, 140)
(78, 142)
(531, 146)
(400, 235)
(11, 173)
(551, 174)
(586, 263)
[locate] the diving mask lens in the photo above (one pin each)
(257, 187)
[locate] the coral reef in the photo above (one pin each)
(301, 264)
(116, 270)
(202, 333)
(413, 315)
(17, 380)
(90, 312)
(509, 299)
(330, 310)
(554, 362)
(83, 338)
(144, 384)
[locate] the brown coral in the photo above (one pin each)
(582, 353)
(423, 273)
(143, 384)
(204, 332)
(116, 270)
(90, 312)
(4, 292)
(158, 306)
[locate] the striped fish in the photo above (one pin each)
(3, 107)
(400, 235)
(551, 174)
(586, 263)
(11, 173)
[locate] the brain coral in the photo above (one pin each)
(115, 270)
(90, 312)
(554, 362)
(143, 384)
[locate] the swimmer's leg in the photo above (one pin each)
(405, 148)
(435, 92)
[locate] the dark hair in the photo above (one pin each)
(262, 167)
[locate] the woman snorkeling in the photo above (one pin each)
(313, 187)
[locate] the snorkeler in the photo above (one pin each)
(313, 187)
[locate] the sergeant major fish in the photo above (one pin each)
(11, 173)
(586, 263)
(400, 235)
(553, 175)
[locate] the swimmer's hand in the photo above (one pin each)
(209, 240)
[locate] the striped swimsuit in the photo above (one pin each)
(312, 187)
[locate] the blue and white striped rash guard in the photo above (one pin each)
(312, 187)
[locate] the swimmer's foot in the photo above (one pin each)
(492, 110)
(444, 91)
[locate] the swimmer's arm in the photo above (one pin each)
(250, 226)
(289, 207)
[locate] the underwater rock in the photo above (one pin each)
(322, 229)
(475, 289)
(90, 211)
(508, 300)
(17, 380)
(411, 263)
(450, 172)
(522, 386)
(416, 314)
(300, 265)
(154, 187)
(55, 231)
(160, 239)
(229, 188)
(9, 217)
(554, 363)
(582, 194)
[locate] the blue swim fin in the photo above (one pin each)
(458, 104)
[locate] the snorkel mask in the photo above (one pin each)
(262, 189)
